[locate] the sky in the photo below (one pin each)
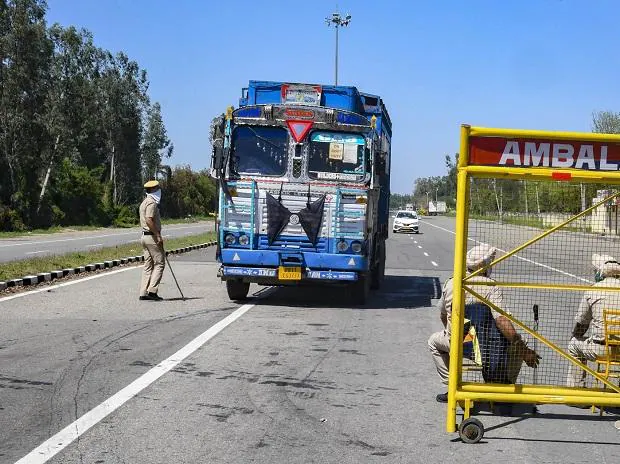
(437, 64)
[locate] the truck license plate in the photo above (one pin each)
(289, 273)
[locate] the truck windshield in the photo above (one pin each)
(337, 156)
(260, 150)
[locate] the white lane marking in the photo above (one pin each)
(523, 259)
(66, 436)
(426, 254)
(420, 246)
(35, 252)
(95, 245)
(66, 284)
(135, 232)
(434, 263)
(415, 241)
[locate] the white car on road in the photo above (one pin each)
(406, 221)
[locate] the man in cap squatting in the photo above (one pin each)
(152, 242)
(590, 316)
(439, 342)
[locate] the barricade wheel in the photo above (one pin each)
(471, 430)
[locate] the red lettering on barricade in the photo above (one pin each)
(500, 151)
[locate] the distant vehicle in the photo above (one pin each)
(436, 207)
(406, 221)
(409, 207)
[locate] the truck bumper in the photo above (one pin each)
(261, 266)
(269, 276)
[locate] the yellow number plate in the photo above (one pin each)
(289, 273)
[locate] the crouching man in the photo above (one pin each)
(502, 349)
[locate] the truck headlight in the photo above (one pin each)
(342, 246)
(356, 247)
(230, 239)
(244, 240)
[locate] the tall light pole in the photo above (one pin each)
(338, 22)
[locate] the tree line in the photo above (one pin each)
(79, 133)
(499, 196)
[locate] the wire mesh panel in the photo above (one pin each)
(562, 258)
(537, 269)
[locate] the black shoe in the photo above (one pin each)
(154, 296)
(143, 297)
(442, 398)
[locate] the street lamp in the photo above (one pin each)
(338, 22)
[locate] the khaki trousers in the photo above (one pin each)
(439, 346)
(154, 264)
(584, 350)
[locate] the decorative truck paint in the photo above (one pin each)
(304, 187)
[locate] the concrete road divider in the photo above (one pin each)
(49, 276)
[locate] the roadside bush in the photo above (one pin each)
(125, 216)
(10, 220)
(78, 193)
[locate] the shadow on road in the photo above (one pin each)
(523, 413)
(396, 292)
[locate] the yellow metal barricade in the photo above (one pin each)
(547, 201)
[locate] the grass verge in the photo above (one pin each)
(33, 266)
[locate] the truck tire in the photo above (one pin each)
(361, 290)
(237, 289)
(378, 273)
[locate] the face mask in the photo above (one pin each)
(156, 195)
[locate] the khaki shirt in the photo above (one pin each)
(590, 311)
(490, 293)
(149, 208)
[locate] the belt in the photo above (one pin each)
(147, 232)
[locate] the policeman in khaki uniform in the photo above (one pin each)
(590, 316)
(152, 242)
(439, 342)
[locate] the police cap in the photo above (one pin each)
(151, 184)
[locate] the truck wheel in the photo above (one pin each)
(361, 290)
(237, 289)
(378, 273)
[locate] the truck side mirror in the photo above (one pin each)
(217, 157)
(381, 163)
(217, 141)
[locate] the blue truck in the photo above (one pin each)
(304, 188)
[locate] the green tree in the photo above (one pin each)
(69, 111)
(156, 144)
(26, 52)
(606, 122)
(188, 193)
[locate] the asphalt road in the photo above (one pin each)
(17, 248)
(295, 375)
